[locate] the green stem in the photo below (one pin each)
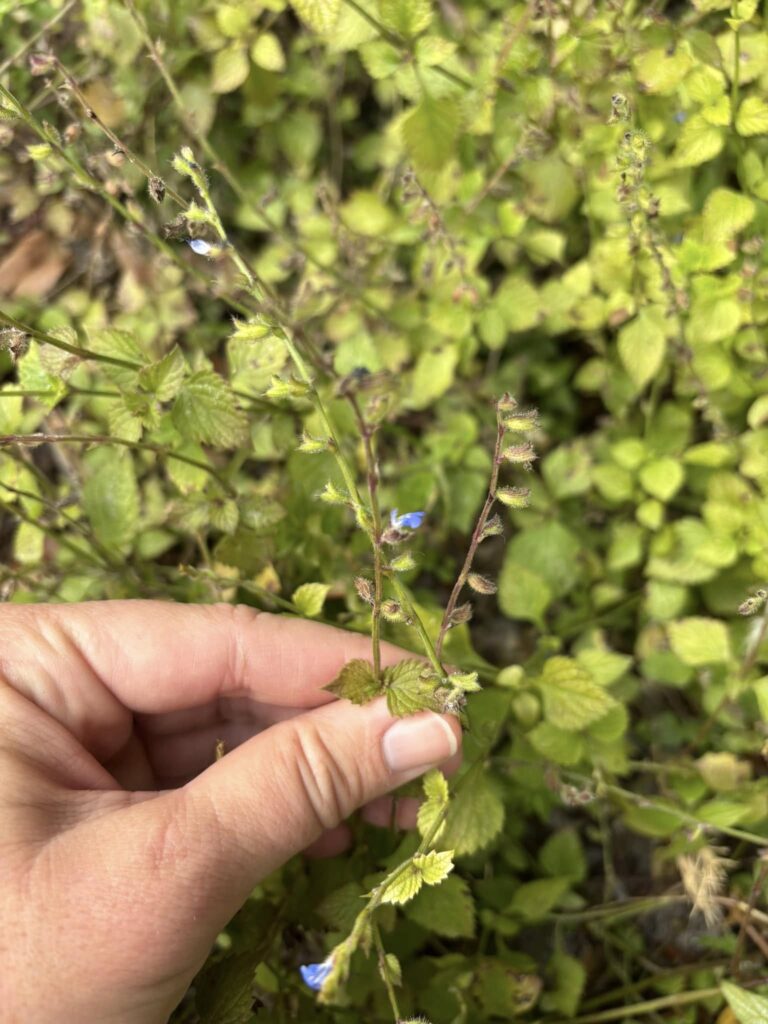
(412, 614)
(42, 31)
(385, 972)
(640, 1009)
(735, 76)
(75, 350)
(32, 440)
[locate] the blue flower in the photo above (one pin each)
(200, 246)
(315, 975)
(406, 521)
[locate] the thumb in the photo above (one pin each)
(275, 794)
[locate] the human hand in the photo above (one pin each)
(124, 850)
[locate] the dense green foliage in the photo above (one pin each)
(434, 203)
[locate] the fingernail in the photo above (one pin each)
(418, 741)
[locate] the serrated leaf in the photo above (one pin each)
(253, 362)
(534, 900)
(698, 142)
(110, 341)
(408, 17)
(572, 700)
(205, 410)
(164, 378)
(448, 911)
(700, 641)
(434, 866)
(408, 689)
(123, 423)
(309, 598)
(430, 131)
(475, 816)
(320, 15)
(436, 793)
(725, 214)
(405, 886)
(748, 1007)
(752, 118)
(356, 682)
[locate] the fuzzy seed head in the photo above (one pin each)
(481, 584)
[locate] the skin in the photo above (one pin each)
(124, 847)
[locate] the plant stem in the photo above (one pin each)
(735, 76)
(385, 972)
(482, 519)
(75, 350)
(46, 27)
(413, 615)
(368, 434)
(639, 1009)
(33, 440)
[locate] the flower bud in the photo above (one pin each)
(506, 403)
(313, 445)
(403, 562)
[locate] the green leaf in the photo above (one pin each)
(748, 1007)
(448, 911)
(365, 213)
(534, 900)
(119, 345)
(475, 816)
(111, 497)
(572, 700)
(558, 745)
(642, 345)
(725, 214)
(320, 15)
(356, 682)
(309, 598)
(267, 53)
(436, 794)
(380, 58)
(408, 688)
(662, 478)
(698, 142)
(164, 378)
(407, 17)
(660, 71)
(230, 68)
(523, 594)
(430, 131)
(434, 866)
(570, 978)
(752, 118)
(205, 410)
(700, 641)
(563, 855)
(432, 376)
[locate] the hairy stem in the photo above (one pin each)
(482, 519)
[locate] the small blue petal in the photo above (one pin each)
(406, 521)
(314, 975)
(200, 246)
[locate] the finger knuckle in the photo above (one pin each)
(331, 788)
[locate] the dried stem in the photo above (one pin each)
(385, 971)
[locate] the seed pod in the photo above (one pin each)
(41, 63)
(506, 403)
(364, 589)
(519, 454)
(481, 584)
(156, 189)
(461, 613)
(493, 528)
(313, 445)
(514, 497)
(392, 611)
(403, 562)
(522, 422)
